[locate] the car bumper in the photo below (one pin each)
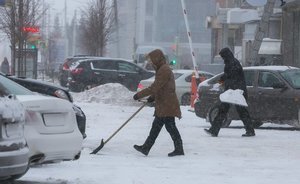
(53, 147)
(13, 162)
(81, 120)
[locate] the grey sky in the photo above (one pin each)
(58, 6)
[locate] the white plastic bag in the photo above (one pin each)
(235, 97)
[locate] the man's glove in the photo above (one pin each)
(150, 99)
(135, 97)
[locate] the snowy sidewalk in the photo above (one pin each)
(272, 157)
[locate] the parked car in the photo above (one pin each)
(88, 73)
(47, 88)
(183, 80)
(273, 96)
(50, 125)
(13, 149)
(64, 69)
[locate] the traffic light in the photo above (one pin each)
(173, 62)
(33, 46)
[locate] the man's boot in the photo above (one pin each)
(142, 149)
(145, 148)
(178, 149)
(249, 134)
(174, 133)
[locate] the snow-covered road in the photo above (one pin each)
(272, 157)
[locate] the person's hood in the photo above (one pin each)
(157, 57)
(226, 54)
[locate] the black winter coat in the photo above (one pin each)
(233, 76)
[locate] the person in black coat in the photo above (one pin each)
(233, 78)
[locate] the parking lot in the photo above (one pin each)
(272, 156)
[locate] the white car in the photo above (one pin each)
(183, 80)
(13, 149)
(51, 129)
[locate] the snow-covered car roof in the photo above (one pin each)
(190, 71)
(273, 68)
(270, 68)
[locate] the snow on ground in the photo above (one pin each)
(271, 157)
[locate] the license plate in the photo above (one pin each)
(55, 119)
(13, 130)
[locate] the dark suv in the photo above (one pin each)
(88, 73)
(64, 69)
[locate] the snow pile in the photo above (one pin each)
(12, 109)
(112, 93)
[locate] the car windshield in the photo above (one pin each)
(292, 77)
(7, 87)
(177, 75)
(215, 79)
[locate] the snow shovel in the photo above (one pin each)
(104, 142)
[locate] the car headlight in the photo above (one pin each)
(61, 94)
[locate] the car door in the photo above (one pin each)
(251, 78)
(273, 101)
(105, 71)
(128, 75)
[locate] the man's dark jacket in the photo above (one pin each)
(233, 76)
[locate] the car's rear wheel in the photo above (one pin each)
(257, 124)
(297, 124)
(212, 114)
(186, 99)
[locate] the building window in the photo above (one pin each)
(149, 7)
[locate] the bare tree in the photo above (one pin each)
(96, 26)
(20, 14)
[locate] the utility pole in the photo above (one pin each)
(74, 33)
(115, 6)
(21, 66)
(13, 31)
(261, 29)
(66, 33)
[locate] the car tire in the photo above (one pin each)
(257, 124)
(213, 113)
(297, 124)
(186, 99)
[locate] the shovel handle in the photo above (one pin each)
(125, 123)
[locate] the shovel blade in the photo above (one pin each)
(98, 148)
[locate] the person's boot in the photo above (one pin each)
(211, 133)
(248, 134)
(178, 149)
(143, 149)
(176, 152)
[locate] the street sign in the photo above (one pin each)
(33, 29)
